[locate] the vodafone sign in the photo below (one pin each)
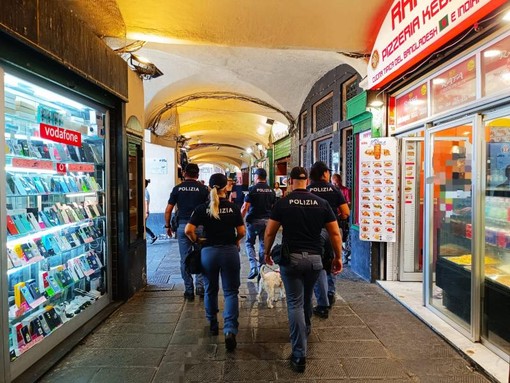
(413, 29)
(63, 136)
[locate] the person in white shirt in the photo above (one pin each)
(277, 191)
(147, 203)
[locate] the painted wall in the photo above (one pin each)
(135, 106)
(160, 169)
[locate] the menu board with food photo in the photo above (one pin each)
(409, 172)
(378, 188)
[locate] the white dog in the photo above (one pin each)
(270, 281)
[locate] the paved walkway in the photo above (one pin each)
(157, 337)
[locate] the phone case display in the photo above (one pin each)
(55, 214)
(378, 188)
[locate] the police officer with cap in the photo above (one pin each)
(257, 207)
(320, 175)
(187, 196)
(223, 229)
(302, 215)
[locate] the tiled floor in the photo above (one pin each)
(410, 294)
(157, 337)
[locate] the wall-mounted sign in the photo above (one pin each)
(454, 87)
(414, 29)
(412, 106)
(378, 188)
(158, 165)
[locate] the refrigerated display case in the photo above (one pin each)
(55, 240)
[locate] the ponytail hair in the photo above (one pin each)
(214, 203)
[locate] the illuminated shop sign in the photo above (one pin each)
(413, 105)
(496, 67)
(454, 87)
(413, 29)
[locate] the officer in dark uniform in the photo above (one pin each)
(258, 203)
(320, 176)
(223, 229)
(187, 196)
(302, 215)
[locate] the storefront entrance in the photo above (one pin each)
(449, 202)
(411, 215)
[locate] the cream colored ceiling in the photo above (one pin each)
(271, 50)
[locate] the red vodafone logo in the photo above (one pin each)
(61, 168)
(56, 134)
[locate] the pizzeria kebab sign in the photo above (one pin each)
(414, 29)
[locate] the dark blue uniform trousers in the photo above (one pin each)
(299, 277)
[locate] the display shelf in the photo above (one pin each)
(62, 254)
(55, 195)
(49, 194)
(26, 311)
(455, 280)
(13, 239)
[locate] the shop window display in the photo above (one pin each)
(496, 305)
(55, 211)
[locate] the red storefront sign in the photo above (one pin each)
(412, 30)
(63, 136)
(412, 106)
(496, 67)
(454, 87)
(26, 163)
(85, 168)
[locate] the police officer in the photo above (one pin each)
(223, 229)
(320, 175)
(187, 196)
(302, 215)
(257, 208)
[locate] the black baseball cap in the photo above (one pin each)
(318, 169)
(298, 173)
(192, 169)
(320, 166)
(218, 180)
(261, 173)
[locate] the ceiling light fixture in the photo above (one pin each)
(507, 16)
(375, 99)
(377, 103)
(261, 130)
(492, 53)
(249, 150)
(143, 67)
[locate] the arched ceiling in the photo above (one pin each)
(270, 50)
